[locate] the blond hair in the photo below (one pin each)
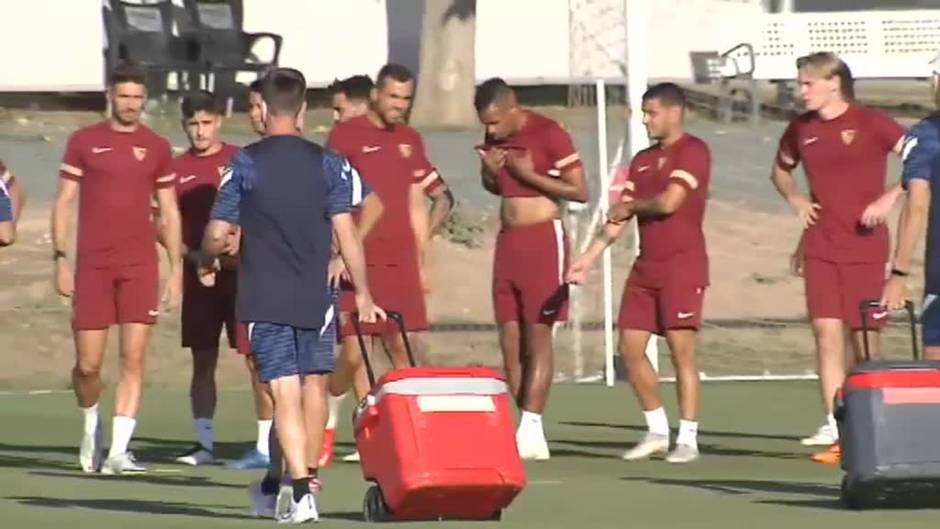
(828, 65)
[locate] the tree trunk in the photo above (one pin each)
(446, 82)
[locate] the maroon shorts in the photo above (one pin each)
(528, 274)
(207, 311)
(657, 310)
(394, 287)
(837, 290)
(110, 295)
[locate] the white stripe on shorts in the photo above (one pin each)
(327, 320)
(356, 187)
(560, 248)
(251, 328)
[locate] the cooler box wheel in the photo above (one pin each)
(374, 508)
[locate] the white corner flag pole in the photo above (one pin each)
(637, 40)
(604, 199)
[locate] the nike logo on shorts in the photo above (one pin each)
(685, 315)
(99, 150)
(642, 168)
(810, 141)
(153, 312)
(189, 178)
(549, 312)
(879, 315)
(370, 148)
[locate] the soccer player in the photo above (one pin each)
(12, 199)
(206, 311)
(391, 158)
(843, 147)
(288, 196)
(255, 114)
(666, 190)
(530, 162)
(921, 153)
(350, 97)
(118, 165)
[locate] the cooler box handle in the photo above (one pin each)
(873, 304)
(400, 323)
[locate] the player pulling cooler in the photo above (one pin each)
(391, 158)
(666, 190)
(843, 147)
(12, 199)
(529, 161)
(118, 164)
(289, 196)
(920, 178)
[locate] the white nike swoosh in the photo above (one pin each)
(368, 148)
(642, 168)
(99, 150)
(548, 312)
(808, 141)
(189, 178)
(685, 315)
(879, 315)
(153, 312)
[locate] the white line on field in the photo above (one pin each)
(546, 482)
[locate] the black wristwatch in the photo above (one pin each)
(58, 254)
(899, 273)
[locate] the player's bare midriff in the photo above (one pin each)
(525, 211)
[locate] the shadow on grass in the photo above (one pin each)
(821, 495)
(132, 506)
(152, 479)
(705, 433)
(606, 449)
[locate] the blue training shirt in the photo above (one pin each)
(6, 205)
(283, 191)
(921, 156)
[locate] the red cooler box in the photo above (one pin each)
(439, 443)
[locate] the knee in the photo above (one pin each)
(204, 363)
(86, 369)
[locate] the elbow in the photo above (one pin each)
(580, 196)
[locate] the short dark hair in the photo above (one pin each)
(255, 86)
(284, 91)
(200, 101)
(489, 92)
(669, 94)
(396, 72)
(126, 72)
(358, 87)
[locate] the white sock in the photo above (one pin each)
(833, 426)
(656, 421)
(122, 429)
(204, 432)
(91, 418)
(688, 433)
(264, 429)
(530, 421)
(334, 403)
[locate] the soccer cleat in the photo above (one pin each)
(262, 505)
(289, 511)
(196, 456)
(822, 437)
(121, 464)
(651, 444)
(829, 456)
(683, 453)
(326, 453)
(352, 458)
(89, 455)
(532, 446)
(253, 459)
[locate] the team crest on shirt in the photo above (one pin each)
(848, 136)
(405, 150)
(140, 153)
(660, 162)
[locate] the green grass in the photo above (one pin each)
(753, 472)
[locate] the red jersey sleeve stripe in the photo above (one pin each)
(785, 160)
(567, 160)
(70, 169)
(429, 179)
(167, 179)
(686, 177)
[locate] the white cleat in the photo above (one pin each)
(532, 447)
(822, 437)
(302, 511)
(122, 464)
(197, 456)
(262, 505)
(89, 455)
(352, 458)
(652, 444)
(683, 453)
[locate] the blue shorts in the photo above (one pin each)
(930, 320)
(284, 350)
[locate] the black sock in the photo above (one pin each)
(312, 472)
(269, 485)
(301, 488)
